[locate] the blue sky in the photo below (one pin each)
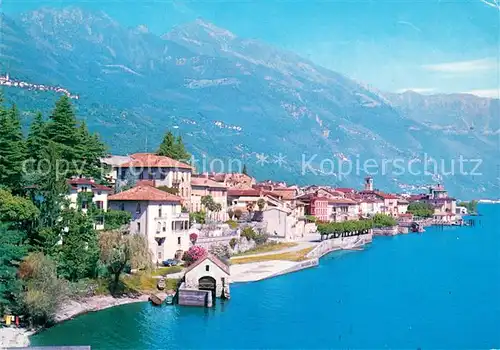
(429, 46)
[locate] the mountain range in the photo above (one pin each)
(237, 98)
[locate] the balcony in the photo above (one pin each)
(173, 217)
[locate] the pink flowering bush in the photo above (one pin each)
(193, 254)
(193, 237)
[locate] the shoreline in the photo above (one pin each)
(19, 337)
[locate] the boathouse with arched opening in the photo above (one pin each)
(209, 273)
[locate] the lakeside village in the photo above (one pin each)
(150, 227)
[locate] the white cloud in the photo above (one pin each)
(491, 93)
(484, 64)
(417, 90)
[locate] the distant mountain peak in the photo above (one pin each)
(213, 29)
(201, 33)
(70, 15)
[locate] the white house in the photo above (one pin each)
(209, 273)
(157, 215)
(370, 206)
(281, 223)
(89, 192)
(342, 209)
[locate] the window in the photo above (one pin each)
(99, 205)
(164, 227)
(138, 208)
(159, 211)
(207, 267)
(141, 176)
(99, 220)
(84, 205)
(158, 227)
(178, 240)
(122, 206)
(159, 255)
(139, 227)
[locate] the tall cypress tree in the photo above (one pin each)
(90, 150)
(173, 147)
(182, 153)
(37, 138)
(12, 149)
(62, 130)
(167, 147)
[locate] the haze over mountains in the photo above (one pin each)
(232, 97)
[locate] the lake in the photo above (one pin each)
(439, 289)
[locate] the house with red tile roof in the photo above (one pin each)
(445, 207)
(158, 171)
(202, 185)
(342, 209)
(315, 206)
(233, 180)
(158, 216)
(242, 199)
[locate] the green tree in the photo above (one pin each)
(383, 220)
(198, 216)
(90, 150)
(19, 212)
(62, 130)
(173, 147)
(44, 292)
(167, 147)
(48, 193)
(261, 203)
(420, 209)
(117, 250)
(115, 219)
(12, 251)
(79, 251)
(209, 204)
(37, 138)
(12, 149)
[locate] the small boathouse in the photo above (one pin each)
(205, 280)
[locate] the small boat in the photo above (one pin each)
(155, 300)
(161, 284)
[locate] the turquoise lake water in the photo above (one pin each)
(440, 289)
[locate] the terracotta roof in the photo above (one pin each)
(371, 200)
(285, 194)
(230, 176)
(345, 190)
(82, 181)
(237, 192)
(341, 201)
(213, 259)
(417, 197)
(150, 160)
(202, 181)
(144, 193)
(379, 194)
